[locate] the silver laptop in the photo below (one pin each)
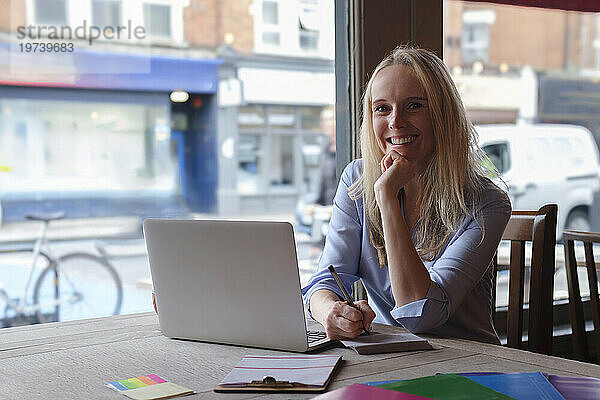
(233, 282)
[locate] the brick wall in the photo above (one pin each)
(207, 21)
(6, 16)
(236, 19)
(544, 39)
(528, 36)
(200, 23)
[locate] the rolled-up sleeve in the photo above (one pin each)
(343, 243)
(460, 267)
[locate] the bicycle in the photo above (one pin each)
(73, 286)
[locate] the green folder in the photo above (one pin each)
(445, 387)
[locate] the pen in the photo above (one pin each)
(344, 292)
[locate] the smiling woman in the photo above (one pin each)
(401, 120)
(416, 219)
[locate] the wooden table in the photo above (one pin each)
(73, 360)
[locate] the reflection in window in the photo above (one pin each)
(50, 12)
(106, 13)
(157, 19)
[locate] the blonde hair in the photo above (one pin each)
(452, 179)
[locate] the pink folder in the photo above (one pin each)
(360, 392)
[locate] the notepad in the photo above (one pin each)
(387, 343)
(259, 373)
(148, 387)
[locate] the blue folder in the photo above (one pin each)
(521, 386)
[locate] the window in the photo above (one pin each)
(271, 38)
(476, 35)
(270, 26)
(106, 13)
(282, 164)
(280, 148)
(158, 20)
(51, 12)
(250, 160)
(475, 42)
(308, 25)
(270, 11)
(309, 39)
(109, 147)
(92, 146)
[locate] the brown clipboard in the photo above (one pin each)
(270, 385)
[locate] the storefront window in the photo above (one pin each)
(251, 117)
(250, 160)
(310, 118)
(282, 118)
(73, 146)
(282, 164)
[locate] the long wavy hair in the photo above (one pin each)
(453, 176)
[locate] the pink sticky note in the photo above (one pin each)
(156, 378)
(359, 392)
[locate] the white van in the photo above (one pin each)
(546, 163)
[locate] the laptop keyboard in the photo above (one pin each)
(314, 336)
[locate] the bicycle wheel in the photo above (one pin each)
(15, 265)
(77, 286)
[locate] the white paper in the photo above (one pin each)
(382, 338)
(305, 369)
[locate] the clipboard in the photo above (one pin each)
(269, 384)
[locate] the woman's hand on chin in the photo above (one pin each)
(396, 171)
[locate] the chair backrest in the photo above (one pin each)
(580, 346)
(538, 227)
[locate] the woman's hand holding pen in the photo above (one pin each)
(340, 320)
(345, 322)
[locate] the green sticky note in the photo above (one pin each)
(446, 387)
(128, 384)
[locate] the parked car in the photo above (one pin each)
(546, 163)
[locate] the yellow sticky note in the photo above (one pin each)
(158, 391)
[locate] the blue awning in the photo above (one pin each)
(116, 71)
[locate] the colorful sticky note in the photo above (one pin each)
(148, 387)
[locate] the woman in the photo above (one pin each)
(416, 218)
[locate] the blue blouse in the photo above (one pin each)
(459, 300)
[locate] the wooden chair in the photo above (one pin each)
(538, 227)
(579, 337)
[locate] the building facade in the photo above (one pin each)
(216, 109)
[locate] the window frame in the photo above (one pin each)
(149, 6)
(119, 3)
